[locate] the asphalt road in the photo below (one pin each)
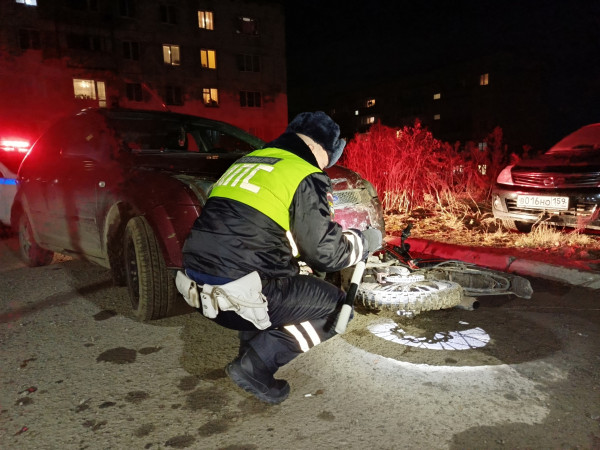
(77, 371)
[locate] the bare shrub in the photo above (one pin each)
(411, 169)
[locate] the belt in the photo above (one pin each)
(201, 278)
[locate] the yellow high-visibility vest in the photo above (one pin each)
(266, 180)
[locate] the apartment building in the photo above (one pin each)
(222, 59)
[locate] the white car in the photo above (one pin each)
(560, 187)
(12, 152)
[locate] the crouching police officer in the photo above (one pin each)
(271, 209)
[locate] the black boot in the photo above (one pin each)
(245, 338)
(250, 373)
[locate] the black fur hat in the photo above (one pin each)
(322, 129)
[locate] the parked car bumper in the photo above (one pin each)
(583, 207)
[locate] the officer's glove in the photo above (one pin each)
(374, 239)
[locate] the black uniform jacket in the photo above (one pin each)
(231, 239)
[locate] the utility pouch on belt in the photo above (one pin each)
(244, 296)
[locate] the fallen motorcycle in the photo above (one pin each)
(395, 280)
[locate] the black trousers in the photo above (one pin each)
(303, 310)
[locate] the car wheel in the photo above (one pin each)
(151, 287)
(515, 225)
(31, 252)
(117, 268)
(118, 276)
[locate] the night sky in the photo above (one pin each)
(332, 46)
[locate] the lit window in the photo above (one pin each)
(90, 90)
(368, 120)
(436, 117)
(171, 54)
(247, 25)
(356, 112)
(28, 2)
(484, 79)
(131, 50)
(173, 95)
(134, 92)
(437, 96)
(370, 103)
(101, 88)
(482, 146)
(205, 20)
(208, 58)
(250, 99)
(210, 96)
(248, 63)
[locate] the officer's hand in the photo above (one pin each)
(374, 239)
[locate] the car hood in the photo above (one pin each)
(576, 152)
(563, 160)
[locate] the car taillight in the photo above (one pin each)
(505, 177)
(14, 145)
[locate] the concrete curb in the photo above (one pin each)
(504, 262)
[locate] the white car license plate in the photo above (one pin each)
(542, 202)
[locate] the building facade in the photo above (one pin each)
(221, 59)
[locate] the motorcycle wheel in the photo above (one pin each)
(416, 297)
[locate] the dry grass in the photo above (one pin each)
(474, 226)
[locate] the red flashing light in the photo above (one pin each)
(14, 145)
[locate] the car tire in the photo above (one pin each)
(151, 287)
(515, 225)
(32, 254)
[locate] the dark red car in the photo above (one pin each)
(122, 188)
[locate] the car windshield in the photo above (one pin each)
(586, 138)
(156, 134)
